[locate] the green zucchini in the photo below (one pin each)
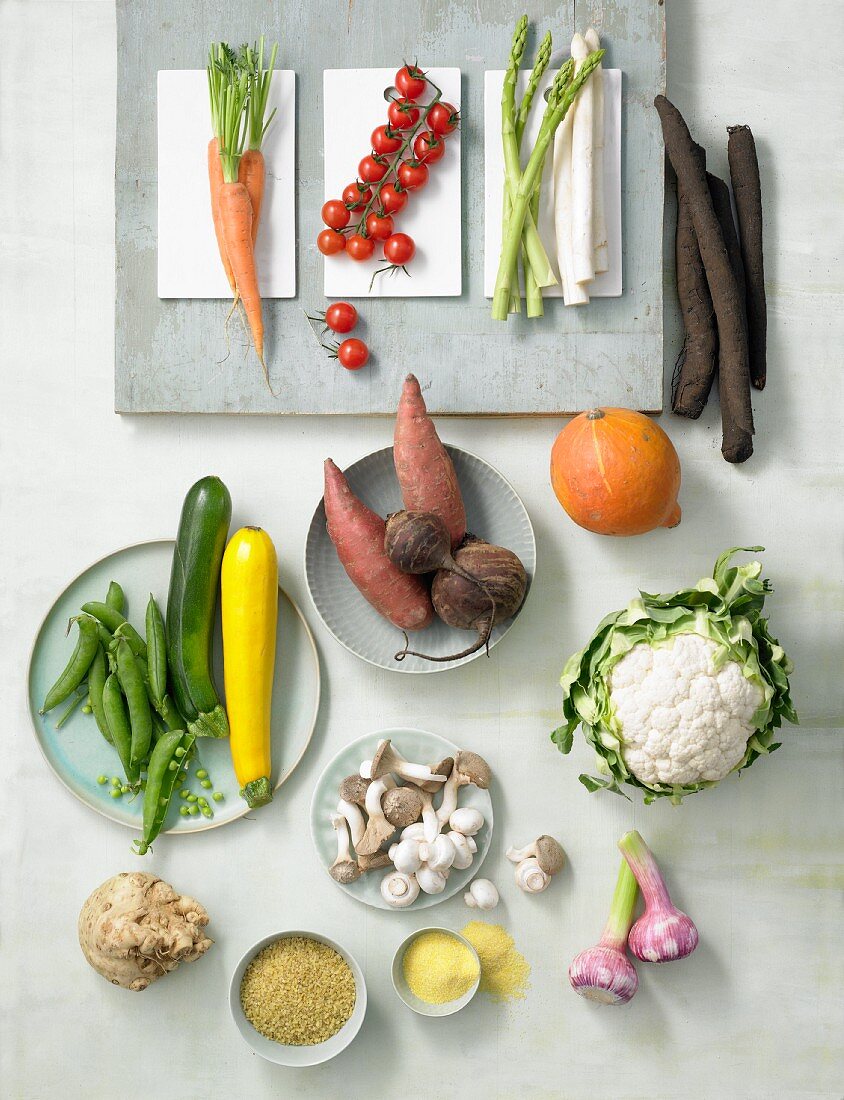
(192, 602)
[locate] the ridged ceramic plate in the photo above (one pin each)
(77, 752)
(420, 747)
(493, 511)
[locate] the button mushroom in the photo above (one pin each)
(378, 828)
(344, 869)
(416, 831)
(482, 894)
(536, 863)
(464, 850)
(466, 820)
(469, 768)
(387, 760)
(399, 890)
(439, 854)
(402, 806)
(432, 882)
(406, 855)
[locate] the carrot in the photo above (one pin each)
(425, 471)
(215, 179)
(220, 70)
(252, 172)
(236, 222)
(358, 537)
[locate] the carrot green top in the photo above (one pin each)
(252, 62)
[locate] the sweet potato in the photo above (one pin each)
(358, 537)
(423, 466)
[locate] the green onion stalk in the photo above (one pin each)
(560, 99)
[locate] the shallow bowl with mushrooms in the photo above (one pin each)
(383, 818)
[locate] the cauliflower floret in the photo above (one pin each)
(682, 720)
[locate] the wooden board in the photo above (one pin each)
(171, 356)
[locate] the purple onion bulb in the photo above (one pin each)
(603, 973)
(663, 933)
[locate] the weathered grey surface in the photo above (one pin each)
(171, 355)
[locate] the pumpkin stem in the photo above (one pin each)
(595, 414)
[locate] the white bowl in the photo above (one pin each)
(281, 1053)
(409, 997)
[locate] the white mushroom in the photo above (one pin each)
(466, 820)
(530, 877)
(469, 768)
(432, 882)
(536, 863)
(463, 854)
(399, 890)
(386, 760)
(378, 828)
(482, 894)
(354, 819)
(439, 854)
(416, 831)
(343, 869)
(406, 856)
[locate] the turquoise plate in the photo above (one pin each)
(77, 752)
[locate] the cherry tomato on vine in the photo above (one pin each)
(443, 118)
(356, 195)
(353, 354)
(330, 242)
(392, 199)
(379, 226)
(335, 214)
(360, 248)
(428, 147)
(399, 249)
(372, 169)
(385, 140)
(412, 175)
(411, 81)
(341, 317)
(403, 113)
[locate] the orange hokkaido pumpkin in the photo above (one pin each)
(616, 473)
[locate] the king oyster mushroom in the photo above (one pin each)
(469, 768)
(374, 862)
(353, 789)
(378, 828)
(444, 768)
(344, 869)
(387, 760)
(536, 863)
(354, 819)
(402, 806)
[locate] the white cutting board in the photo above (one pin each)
(606, 285)
(189, 263)
(353, 105)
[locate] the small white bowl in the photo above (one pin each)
(409, 997)
(281, 1053)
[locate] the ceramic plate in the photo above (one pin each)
(493, 511)
(77, 752)
(421, 747)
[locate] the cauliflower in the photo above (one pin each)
(676, 691)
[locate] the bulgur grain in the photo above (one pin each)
(298, 991)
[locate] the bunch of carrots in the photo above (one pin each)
(239, 88)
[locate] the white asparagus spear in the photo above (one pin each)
(574, 294)
(599, 223)
(581, 172)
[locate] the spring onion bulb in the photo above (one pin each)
(603, 973)
(663, 933)
(600, 250)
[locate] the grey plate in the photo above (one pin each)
(494, 512)
(421, 747)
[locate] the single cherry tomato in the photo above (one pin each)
(411, 81)
(428, 147)
(378, 226)
(392, 199)
(372, 168)
(399, 249)
(360, 248)
(385, 140)
(443, 118)
(335, 214)
(356, 195)
(330, 242)
(412, 175)
(353, 354)
(341, 317)
(403, 113)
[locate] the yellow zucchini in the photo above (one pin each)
(249, 599)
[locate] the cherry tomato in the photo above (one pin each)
(428, 147)
(335, 214)
(372, 168)
(443, 118)
(392, 199)
(353, 354)
(379, 226)
(385, 140)
(341, 317)
(356, 195)
(360, 248)
(330, 242)
(399, 249)
(403, 113)
(411, 81)
(412, 175)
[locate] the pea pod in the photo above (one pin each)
(132, 683)
(78, 665)
(161, 783)
(96, 679)
(114, 620)
(156, 653)
(115, 597)
(117, 718)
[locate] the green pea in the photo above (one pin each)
(115, 782)
(116, 792)
(115, 621)
(184, 792)
(206, 811)
(202, 774)
(192, 810)
(218, 796)
(191, 798)
(184, 811)
(87, 709)
(124, 789)
(172, 766)
(114, 708)
(101, 779)
(206, 783)
(180, 752)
